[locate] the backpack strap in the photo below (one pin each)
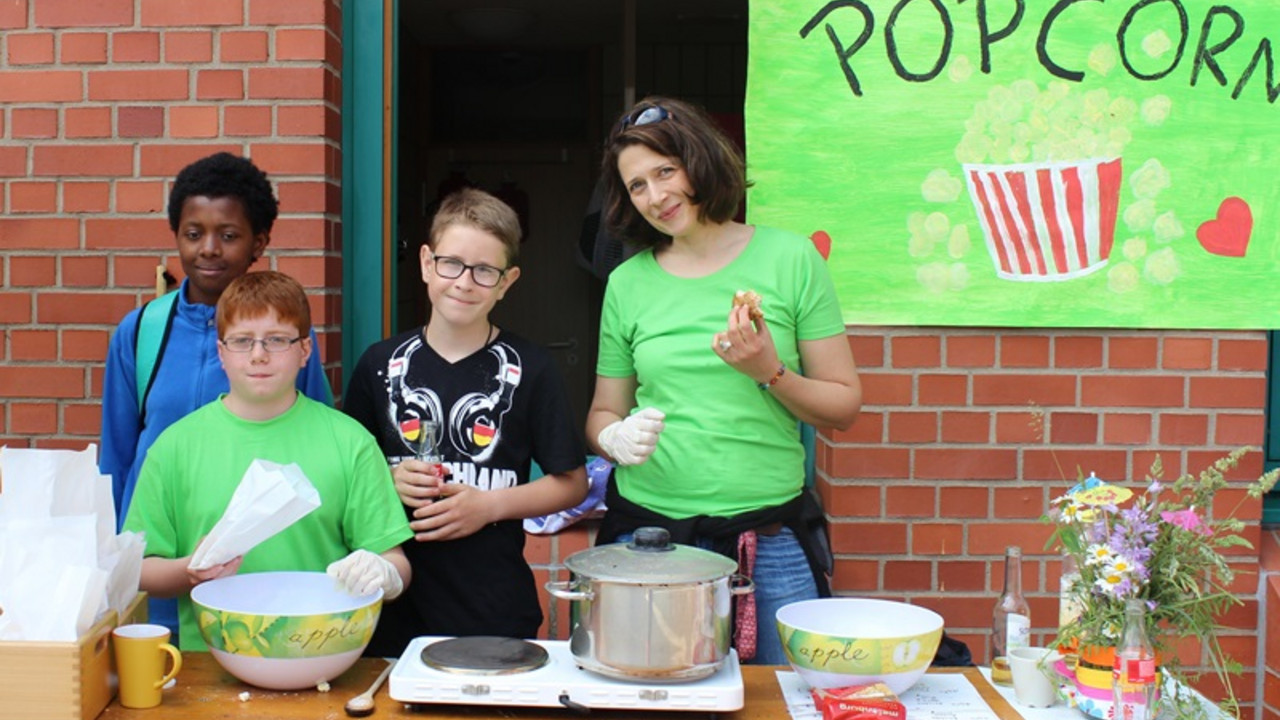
(808, 438)
(148, 346)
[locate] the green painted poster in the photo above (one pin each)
(1036, 163)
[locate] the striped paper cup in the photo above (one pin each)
(1047, 221)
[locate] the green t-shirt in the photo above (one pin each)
(728, 447)
(196, 464)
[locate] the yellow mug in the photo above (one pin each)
(140, 651)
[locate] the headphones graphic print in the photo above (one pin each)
(475, 422)
(416, 413)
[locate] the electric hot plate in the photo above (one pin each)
(543, 673)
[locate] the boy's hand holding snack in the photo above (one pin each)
(362, 572)
(632, 440)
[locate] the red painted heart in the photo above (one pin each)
(1228, 233)
(822, 241)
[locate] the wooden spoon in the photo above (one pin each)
(362, 704)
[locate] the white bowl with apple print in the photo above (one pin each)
(835, 642)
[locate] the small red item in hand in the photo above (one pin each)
(445, 476)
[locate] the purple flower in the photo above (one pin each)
(1124, 588)
(1139, 570)
(1133, 535)
(1187, 520)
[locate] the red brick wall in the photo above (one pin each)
(101, 103)
(1269, 629)
(943, 469)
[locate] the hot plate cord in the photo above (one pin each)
(578, 708)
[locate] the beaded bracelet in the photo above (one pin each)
(782, 370)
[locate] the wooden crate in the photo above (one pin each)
(63, 681)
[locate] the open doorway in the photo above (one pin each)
(513, 97)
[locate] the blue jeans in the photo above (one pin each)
(782, 576)
(164, 611)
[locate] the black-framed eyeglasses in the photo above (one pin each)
(270, 343)
(645, 116)
(451, 268)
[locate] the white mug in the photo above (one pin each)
(1032, 670)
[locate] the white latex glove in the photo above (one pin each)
(362, 572)
(632, 441)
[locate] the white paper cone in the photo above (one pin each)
(269, 498)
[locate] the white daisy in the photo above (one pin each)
(1098, 554)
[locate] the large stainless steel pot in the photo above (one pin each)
(651, 608)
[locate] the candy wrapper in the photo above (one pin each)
(874, 701)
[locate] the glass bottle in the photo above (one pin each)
(1069, 605)
(1011, 619)
(428, 448)
(429, 442)
(1133, 679)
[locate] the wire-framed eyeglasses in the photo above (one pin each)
(270, 343)
(451, 268)
(645, 116)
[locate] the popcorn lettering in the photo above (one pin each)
(1152, 40)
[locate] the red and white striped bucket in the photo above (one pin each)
(1047, 221)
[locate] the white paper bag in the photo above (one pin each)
(270, 498)
(123, 563)
(50, 483)
(57, 521)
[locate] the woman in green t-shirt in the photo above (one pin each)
(699, 399)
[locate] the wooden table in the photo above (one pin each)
(206, 692)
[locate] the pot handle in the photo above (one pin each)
(740, 584)
(563, 590)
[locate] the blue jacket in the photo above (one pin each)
(189, 375)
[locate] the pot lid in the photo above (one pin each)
(649, 558)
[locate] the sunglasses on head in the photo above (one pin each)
(645, 116)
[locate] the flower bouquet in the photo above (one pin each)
(1164, 547)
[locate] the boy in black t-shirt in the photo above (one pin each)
(459, 408)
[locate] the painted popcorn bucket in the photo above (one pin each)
(1047, 221)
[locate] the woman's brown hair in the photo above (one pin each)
(675, 129)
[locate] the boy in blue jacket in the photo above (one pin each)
(221, 209)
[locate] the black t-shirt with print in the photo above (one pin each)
(496, 409)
